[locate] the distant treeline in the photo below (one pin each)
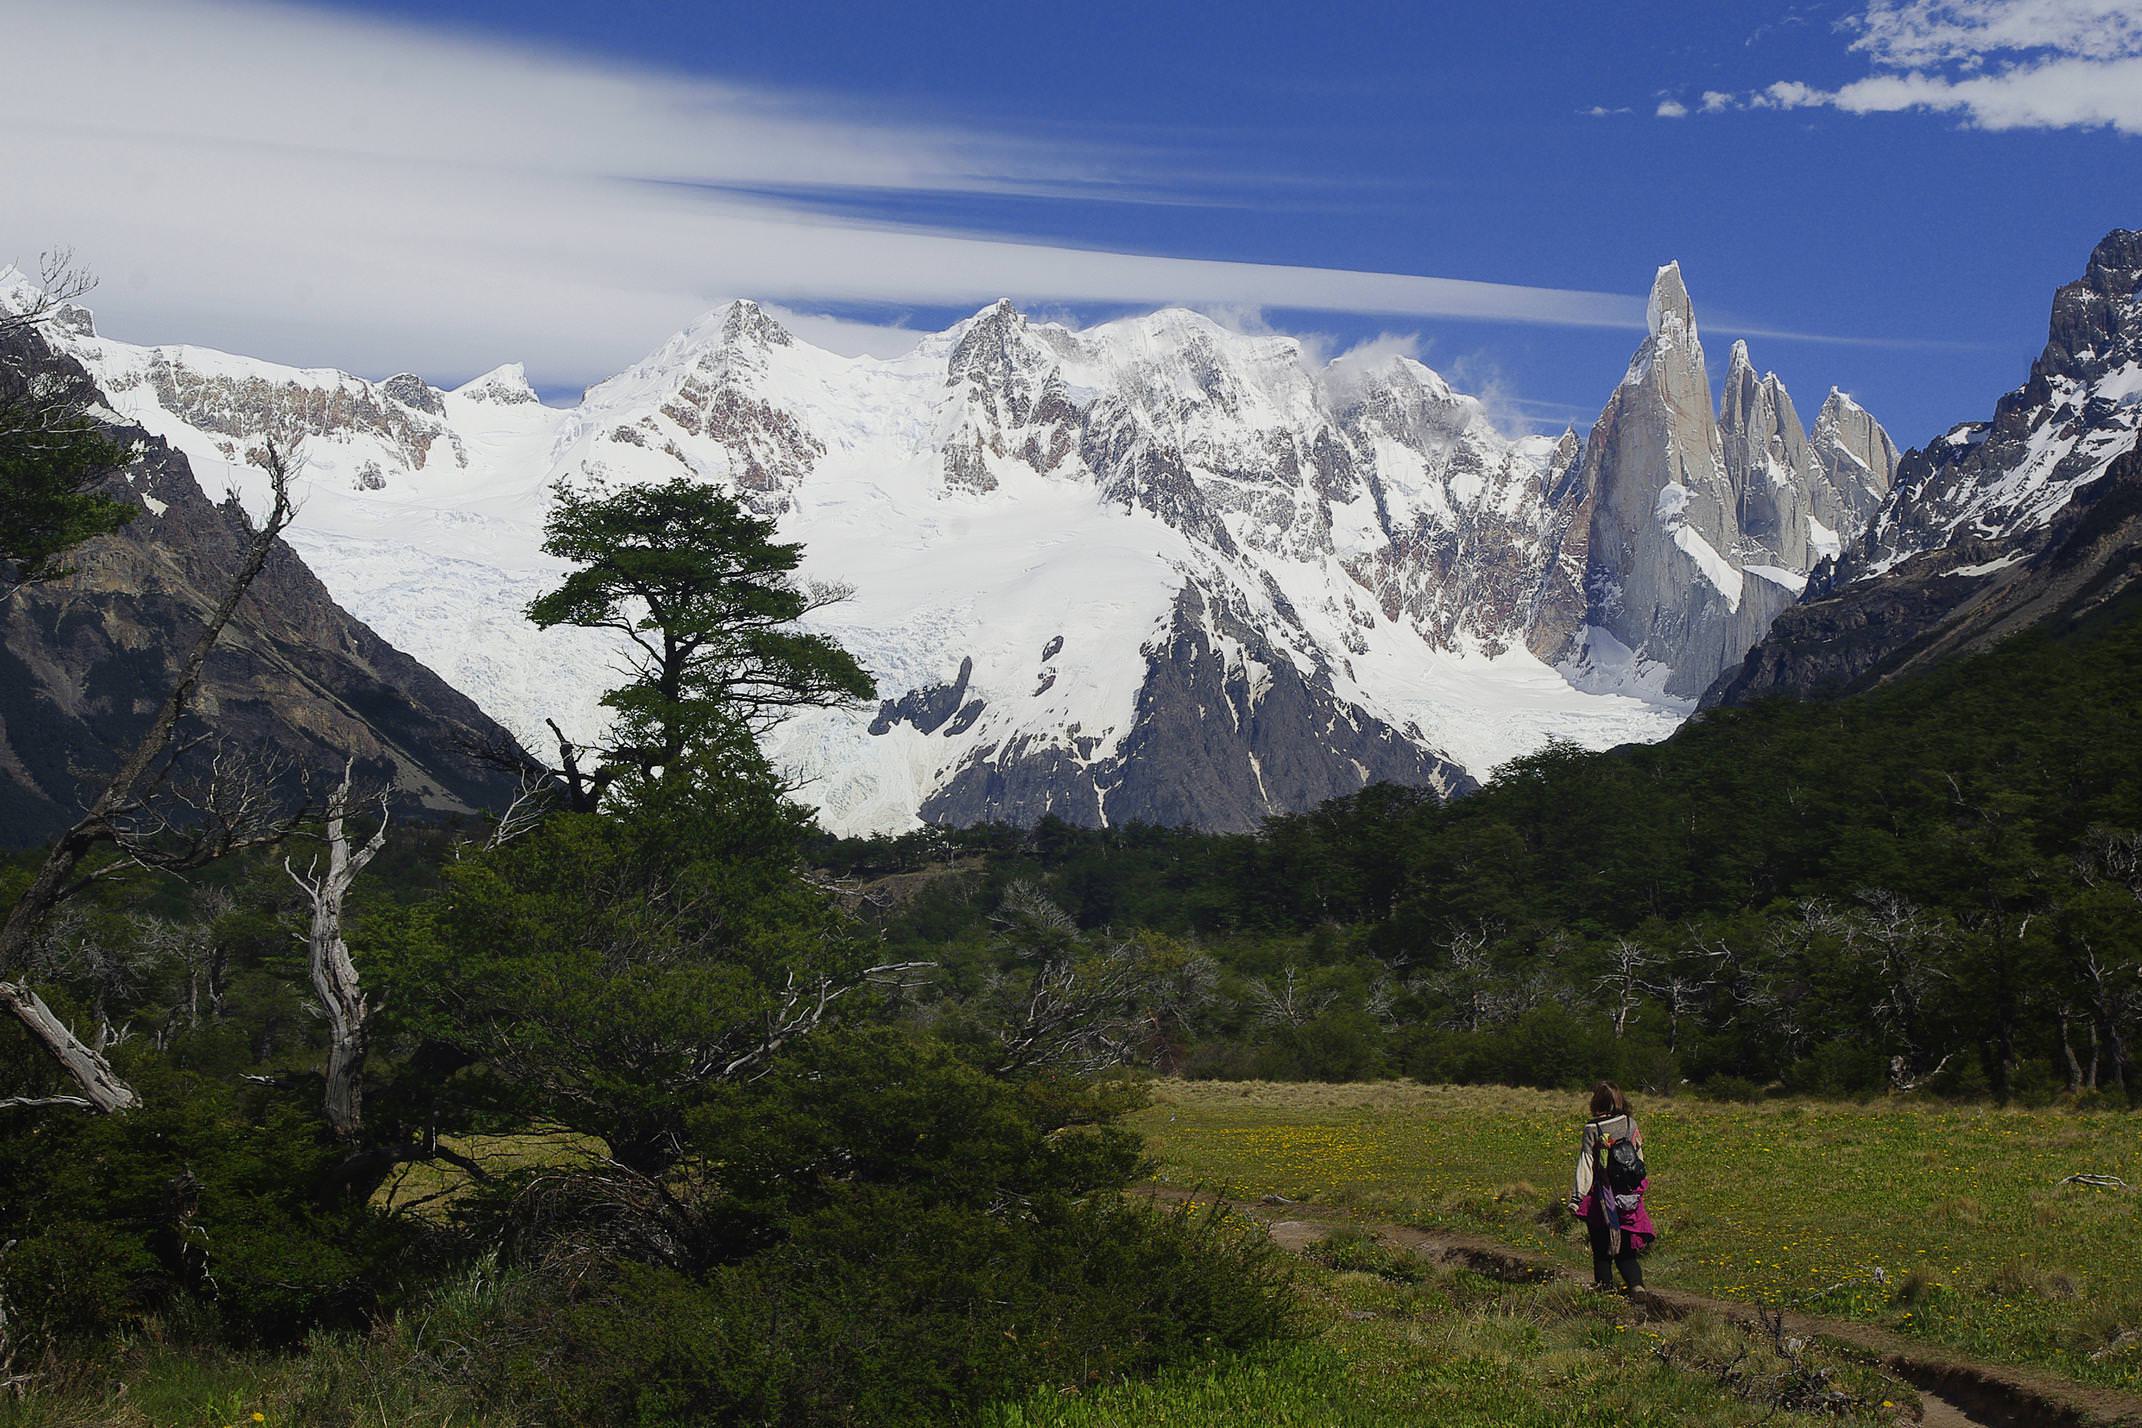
(1938, 885)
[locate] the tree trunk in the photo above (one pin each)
(100, 1086)
(2067, 1049)
(334, 975)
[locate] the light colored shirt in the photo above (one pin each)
(1620, 1127)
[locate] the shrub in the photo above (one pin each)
(1730, 1088)
(879, 1309)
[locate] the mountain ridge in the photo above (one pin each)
(1194, 520)
(1995, 526)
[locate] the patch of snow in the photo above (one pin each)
(1990, 566)
(1793, 580)
(1715, 567)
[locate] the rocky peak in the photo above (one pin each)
(992, 348)
(1671, 318)
(2096, 324)
(2048, 438)
(75, 320)
(1683, 530)
(412, 391)
(1740, 367)
(2115, 266)
(1766, 462)
(505, 386)
(746, 324)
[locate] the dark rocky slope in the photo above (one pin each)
(85, 660)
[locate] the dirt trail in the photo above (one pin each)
(1957, 1391)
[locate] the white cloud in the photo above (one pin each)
(1788, 94)
(1600, 111)
(2065, 93)
(1996, 64)
(846, 335)
(1716, 101)
(1672, 109)
(305, 185)
(1916, 34)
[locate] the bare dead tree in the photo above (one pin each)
(1288, 1001)
(1904, 948)
(2110, 980)
(44, 408)
(1081, 1004)
(1624, 982)
(334, 974)
(123, 816)
(804, 1004)
(1382, 1001)
(529, 806)
(1902, 1078)
(1477, 993)
(60, 281)
(2114, 991)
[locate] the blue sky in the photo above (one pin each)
(1901, 183)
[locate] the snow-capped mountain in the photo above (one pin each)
(1995, 526)
(2059, 431)
(1153, 569)
(1692, 529)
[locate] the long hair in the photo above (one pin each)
(1607, 1100)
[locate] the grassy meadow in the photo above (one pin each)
(1391, 1342)
(1960, 1208)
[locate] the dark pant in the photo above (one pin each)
(1605, 1261)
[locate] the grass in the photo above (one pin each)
(1979, 1247)
(1412, 1345)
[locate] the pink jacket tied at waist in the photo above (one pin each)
(1635, 1218)
(1635, 1221)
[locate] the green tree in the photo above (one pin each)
(52, 455)
(709, 602)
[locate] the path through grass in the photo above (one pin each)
(1979, 1246)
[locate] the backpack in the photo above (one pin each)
(1623, 1165)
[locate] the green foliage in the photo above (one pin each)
(708, 599)
(601, 973)
(884, 1311)
(201, 1210)
(50, 466)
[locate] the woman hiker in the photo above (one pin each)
(1609, 1192)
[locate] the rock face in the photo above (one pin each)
(1768, 462)
(1253, 580)
(1854, 467)
(1956, 599)
(86, 660)
(1692, 529)
(1995, 526)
